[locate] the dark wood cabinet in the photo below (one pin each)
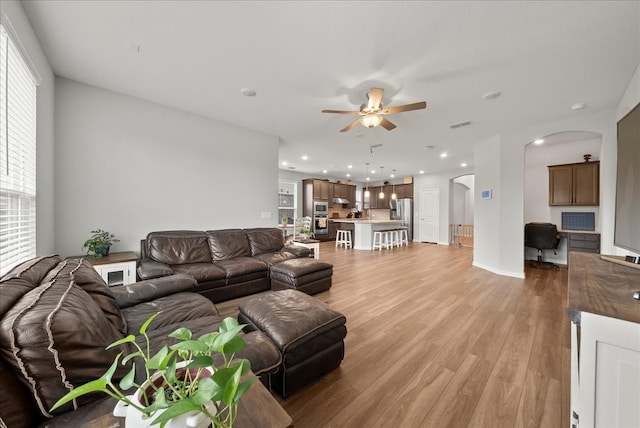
(408, 190)
(583, 242)
(339, 190)
(320, 190)
(351, 196)
(333, 230)
(574, 184)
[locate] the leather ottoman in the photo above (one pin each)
(308, 333)
(309, 275)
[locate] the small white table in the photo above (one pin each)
(116, 268)
(312, 244)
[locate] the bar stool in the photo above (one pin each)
(343, 238)
(403, 236)
(381, 238)
(394, 237)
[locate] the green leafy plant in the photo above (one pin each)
(98, 244)
(198, 385)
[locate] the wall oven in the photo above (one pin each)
(320, 224)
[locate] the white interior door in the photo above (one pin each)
(429, 215)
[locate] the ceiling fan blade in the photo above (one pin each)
(405, 107)
(387, 124)
(341, 111)
(350, 126)
(375, 98)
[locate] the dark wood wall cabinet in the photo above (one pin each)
(574, 184)
(325, 191)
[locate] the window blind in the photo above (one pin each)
(17, 156)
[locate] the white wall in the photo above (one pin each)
(508, 158)
(536, 201)
(45, 231)
(440, 181)
(131, 166)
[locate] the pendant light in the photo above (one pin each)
(393, 195)
(381, 194)
(366, 191)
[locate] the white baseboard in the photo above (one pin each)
(499, 272)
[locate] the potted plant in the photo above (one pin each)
(183, 386)
(305, 233)
(100, 243)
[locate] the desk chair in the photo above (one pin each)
(541, 236)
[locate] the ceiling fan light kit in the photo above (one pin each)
(371, 120)
(373, 114)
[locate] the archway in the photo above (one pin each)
(556, 149)
(461, 210)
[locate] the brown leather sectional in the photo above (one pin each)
(56, 318)
(226, 263)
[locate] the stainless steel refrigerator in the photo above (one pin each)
(402, 209)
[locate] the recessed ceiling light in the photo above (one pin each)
(348, 175)
(538, 141)
(324, 171)
(305, 157)
(248, 92)
(284, 163)
(443, 155)
(421, 172)
(578, 106)
(463, 164)
(491, 95)
(349, 166)
(392, 175)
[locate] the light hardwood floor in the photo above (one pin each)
(435, 342)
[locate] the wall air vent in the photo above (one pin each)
(460, 124)
(292, 167)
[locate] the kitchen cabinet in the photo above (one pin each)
(321, 190)
(351, 195)
(408, 190)
(333, 230)
(583, 241)
(339, 190)
(574, 184)
(605, 342)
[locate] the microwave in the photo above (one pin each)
(320, 207)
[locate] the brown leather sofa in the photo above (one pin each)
(56, 318)
(226, 263)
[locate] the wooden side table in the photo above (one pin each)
(256, 409)
(312, 244)
(116, 268)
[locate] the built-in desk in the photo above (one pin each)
(585, 241)
(605, 342)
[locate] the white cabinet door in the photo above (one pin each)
(609, 372)
(117, 273)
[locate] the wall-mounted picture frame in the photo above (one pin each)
(485, 194)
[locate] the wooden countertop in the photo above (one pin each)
(602, 288)
(121, 257)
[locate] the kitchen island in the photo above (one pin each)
(363, 230)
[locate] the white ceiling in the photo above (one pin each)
(304, 56)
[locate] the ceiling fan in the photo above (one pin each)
(372, 113)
